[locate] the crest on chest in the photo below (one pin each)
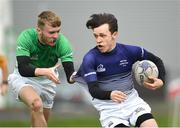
(115, 65)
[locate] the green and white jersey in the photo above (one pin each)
(43, 56)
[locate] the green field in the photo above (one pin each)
(56, 122)
(73, 122)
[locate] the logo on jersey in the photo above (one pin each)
(19, 47)
(101, 68)
(34, 57)
(123, 63)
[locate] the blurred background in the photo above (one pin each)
(153, 24)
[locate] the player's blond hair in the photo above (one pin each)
(48, 17)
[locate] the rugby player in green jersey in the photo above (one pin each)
(34, 79)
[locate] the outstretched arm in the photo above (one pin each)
(27, 70)
(96, 92)
(3, 85)
(69, 70)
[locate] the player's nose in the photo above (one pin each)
(55, 35)
(98, 40)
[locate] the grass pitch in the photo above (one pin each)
(73, 122)
(56, 122)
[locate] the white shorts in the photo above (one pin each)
(127, 112)
(43, 86)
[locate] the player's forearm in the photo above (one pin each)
(96, 92)
(40, 71)
(24, 68)
(160, 65)
(4, 78)
(69, 70)
(4, 70)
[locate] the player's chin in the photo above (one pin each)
(102, 50)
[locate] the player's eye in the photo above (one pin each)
(53, 32)
(102, 35)
(96, 36)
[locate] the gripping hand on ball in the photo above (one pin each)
(153, 83)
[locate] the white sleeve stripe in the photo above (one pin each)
(90, 73)
(142, 52)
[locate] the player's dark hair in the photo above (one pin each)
(97, 20)
(48, 17)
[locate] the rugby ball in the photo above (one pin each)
(143, 69)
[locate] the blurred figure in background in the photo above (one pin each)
(4, 73)
(35, 76)
(173, 92)
(107, 70)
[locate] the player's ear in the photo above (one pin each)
(38, 30)
(115, 35)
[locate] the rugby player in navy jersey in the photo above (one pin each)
(107, 70)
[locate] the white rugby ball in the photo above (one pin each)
(143, 69)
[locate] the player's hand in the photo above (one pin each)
(71, 80)
(3, 89)
(118, 96)
(53, 74)
(153, 83)
(50, 73)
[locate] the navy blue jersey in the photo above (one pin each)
(112, 70)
